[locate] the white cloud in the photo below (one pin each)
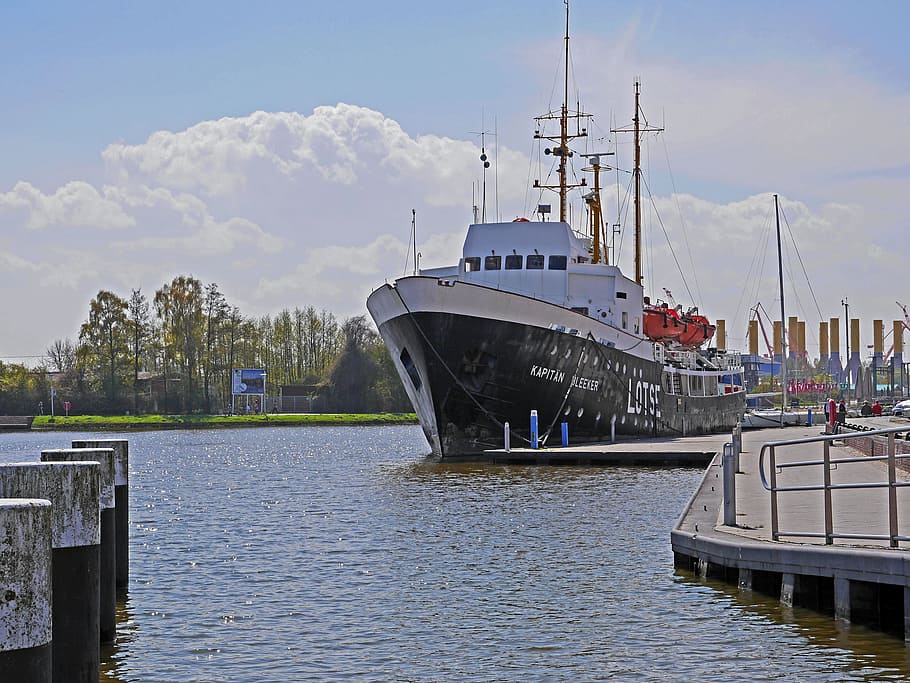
(342, 145)
(195, 229)
(75, 205)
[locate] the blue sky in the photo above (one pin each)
(807, 99)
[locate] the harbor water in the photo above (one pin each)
(340, 553)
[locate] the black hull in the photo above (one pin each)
(467, 376)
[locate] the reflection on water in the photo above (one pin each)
(290, 554)
(114, 656)
(867, 654)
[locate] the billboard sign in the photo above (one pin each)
(247, 381)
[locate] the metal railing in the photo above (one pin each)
(892, 484)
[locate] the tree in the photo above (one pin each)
(139, 323)
(354, 371)
(216, 314)
(104, 336)
(61, 355)
(179, 306)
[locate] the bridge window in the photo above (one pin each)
(492, 262)
(472, 264)
(513, 261)
(535, 261)
(558, 262)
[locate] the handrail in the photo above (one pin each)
(770, 482)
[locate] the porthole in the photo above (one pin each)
(581, 411)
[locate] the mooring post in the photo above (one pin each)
(108, 579)
(565, 433)
(533, 429)
(613, 429)
(729, 466)
(74, 490)
(121, 501)
(26, 649)
(506, 438)
(738, 444)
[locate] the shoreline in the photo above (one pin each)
(116, 423)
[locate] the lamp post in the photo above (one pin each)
(847, 337)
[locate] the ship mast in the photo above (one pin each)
(563, 151)
(637, 121)
(637, 129)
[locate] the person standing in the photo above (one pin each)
(841, 412)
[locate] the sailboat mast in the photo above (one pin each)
(637, 174)
(783, 319)
(564, 129)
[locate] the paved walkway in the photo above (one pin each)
(855, 511)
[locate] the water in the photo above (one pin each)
(293, 554)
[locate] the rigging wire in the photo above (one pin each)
(672, 251)
(682, 220)
(802, 264)
(756, 269)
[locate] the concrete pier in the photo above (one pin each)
(26, 652)
(121, 449)
(107, 581)
(74, 490)
(854, 580)
(696, 451)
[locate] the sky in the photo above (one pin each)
(278, 149)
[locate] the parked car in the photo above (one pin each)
(902, 408)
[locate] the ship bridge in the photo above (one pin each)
(547, 261)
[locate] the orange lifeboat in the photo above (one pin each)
(698, 330)
(662, 323)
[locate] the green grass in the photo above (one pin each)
(127, 422)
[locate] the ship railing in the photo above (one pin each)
(660, 353)
(684, 359)
(866, 441)
(729, 360)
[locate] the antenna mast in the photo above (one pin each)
(414, 236)
(563, 151)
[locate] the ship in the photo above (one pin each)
(534, 339)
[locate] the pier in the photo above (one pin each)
(833, 538)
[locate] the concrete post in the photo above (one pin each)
(842, 599)
(121, 501)
(787, 588)
(738, 444)
(108, 579)
(74, 490)
(907, 614)
(729, 465)
(26, 650)
(745, 579)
